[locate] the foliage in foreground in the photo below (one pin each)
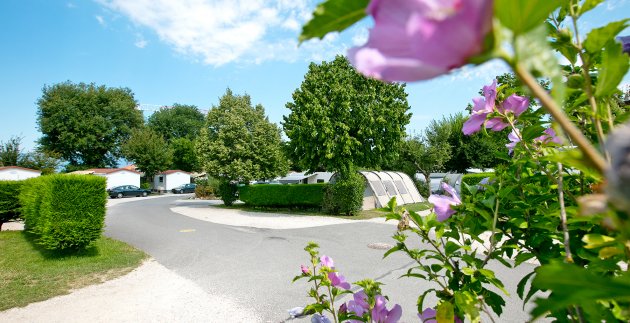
(31, 274)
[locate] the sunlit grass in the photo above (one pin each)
(30, 274)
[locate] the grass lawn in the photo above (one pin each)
(363, 215)
(30, 274)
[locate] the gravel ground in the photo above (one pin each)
(150, 293)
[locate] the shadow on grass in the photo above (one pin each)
(90, 251)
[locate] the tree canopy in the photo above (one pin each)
(148, 150)
(177, 121)
(85, 124)
(184, 155)
(11, 154)
(341, 119)
(238, 143)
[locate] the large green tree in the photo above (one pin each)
(177, 121)
(341, 119)
(12, 154)
(238, 143)
(184, 155)
(148, 150)
(85, 124)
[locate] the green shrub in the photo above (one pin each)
(228, 192)
(474, 179)
(291, 196)
(64, 211)
(345, 196)
(145, 186)
(9, 202)
(424, 188)
(207, 188)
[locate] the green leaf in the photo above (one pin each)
(520, 288)
(522, 257)
(574, 285)
(613, 68)
(331, 16)
(534, 53)
(594, 240)
(391, 205)
(521, 16)
(608, 252)
(598, 37)
(445, 313)
(397, 247)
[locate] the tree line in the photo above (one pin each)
(338, 120)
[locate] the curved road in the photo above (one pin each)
(254, 267)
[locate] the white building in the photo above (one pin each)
(303, 178)
(15, 173)
(116, 176)
(170, 179)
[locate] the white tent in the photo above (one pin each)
(383, 186)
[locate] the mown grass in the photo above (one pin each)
(30, 274)
(362, 215)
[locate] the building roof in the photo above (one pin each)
(110, 170)
(173, 171)
(20, 168)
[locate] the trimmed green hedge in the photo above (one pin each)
(474, 179)
(9, 201)
(64, 211)
(345, 196)
(291, 195)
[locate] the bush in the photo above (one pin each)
(424, 188)
(346, 195)
(207, 188)
(64, 211)
(145, 186)
(291, 196)
(228, 192)
(474, 179)
(9, 202)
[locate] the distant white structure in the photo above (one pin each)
(114, 176)
(304, 178)
(15, 173)
(170, 179)
(381, 187)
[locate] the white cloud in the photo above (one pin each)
(614, 4)
(140, 41)
(71, 5)
(218, 32)
(100, 20)
(485, 72)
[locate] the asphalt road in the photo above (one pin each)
(254, 267)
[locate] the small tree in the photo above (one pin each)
(10, 151)
(148, 150)
(239, 144)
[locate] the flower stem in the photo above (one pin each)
(563, 217)
(494, 229)
(559, 116)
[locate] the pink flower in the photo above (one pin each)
(359, 305)
(326, 261)
(380, 314)
(442, 203)
(481, 108)
(337, 280)
(549, 136)
(514, 104)
(305, 270)
(420, 39)
(514, 139)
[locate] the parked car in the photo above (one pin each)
(186, 188)
(127, 190)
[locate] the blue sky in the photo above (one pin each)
(190, 51)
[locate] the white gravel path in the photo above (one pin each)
(150, 293)
(207, 211)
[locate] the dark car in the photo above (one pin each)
(127, 190)
(186, 188)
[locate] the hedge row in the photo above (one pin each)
(475, 178)
(292, 195)
(64, 211)
(9, 201)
